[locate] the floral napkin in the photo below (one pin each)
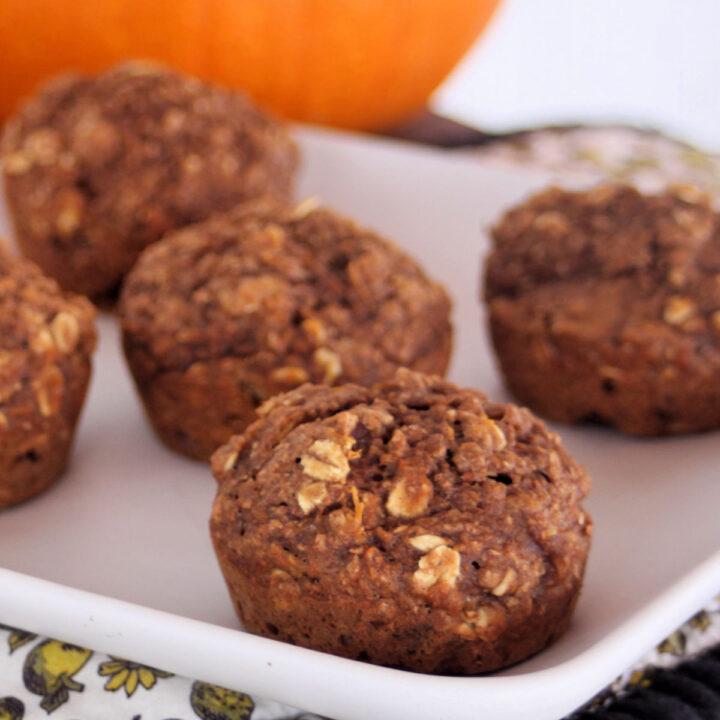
(41, 677)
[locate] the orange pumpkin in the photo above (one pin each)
(349, 63)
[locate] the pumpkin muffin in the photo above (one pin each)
(46, 340)
(97, 168)
(413, 524)
(605, 306)
(220, 316)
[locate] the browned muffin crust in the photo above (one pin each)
(605, 306)
(46, 339)
(98, 168)
(220, 316)
(413, 524)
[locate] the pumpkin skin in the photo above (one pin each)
(358, 64)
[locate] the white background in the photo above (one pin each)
(649, 62)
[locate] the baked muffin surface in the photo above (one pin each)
(412, 524)
(220, 316)
(98, 168)
(603, 305)
(46, 339)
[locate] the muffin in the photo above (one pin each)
(46, 340)
(98, 168)
(220, 316)
(413, 524)
(604, 306)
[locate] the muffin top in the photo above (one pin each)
(611, 262)
(306, 291)
(40, 326)
(124, 157)
(410, 493)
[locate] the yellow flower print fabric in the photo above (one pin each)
(41, 677)
(128, 675)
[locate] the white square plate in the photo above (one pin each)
(117, 556)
